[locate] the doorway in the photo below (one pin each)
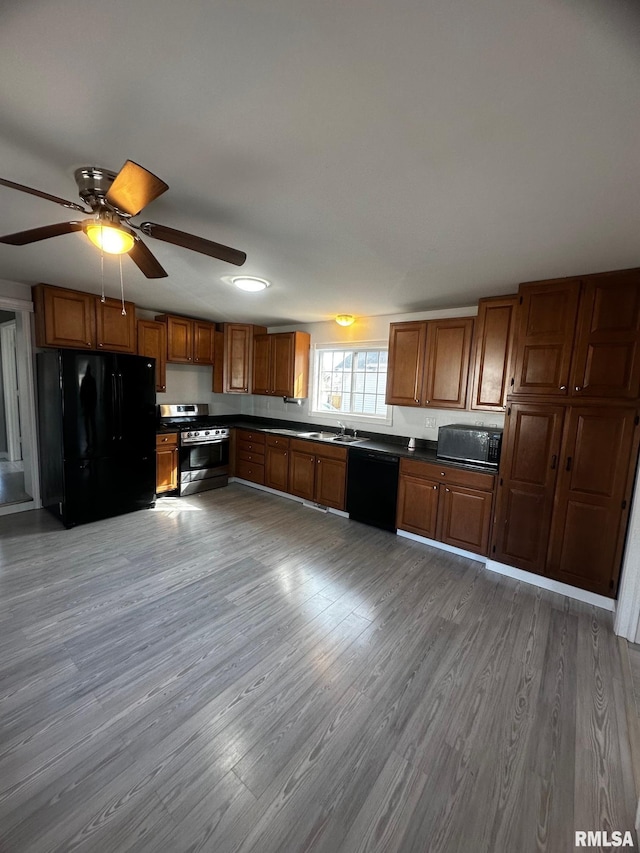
(19, 487)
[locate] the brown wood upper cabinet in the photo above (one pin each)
(579, 337)
(115, 331)
(281, 364)
(493, 340)
(429, 363)
(64, 318)
(71, 318)
(152, 342)
(188, 341)
(238, 358)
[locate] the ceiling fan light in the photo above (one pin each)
(250, 283)
(345, 319)
(110, 238)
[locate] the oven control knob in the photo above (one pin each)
(207, 432)
(217, 432)
(188, 435)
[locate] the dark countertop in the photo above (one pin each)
(374, 442)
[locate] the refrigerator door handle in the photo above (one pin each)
(120, 405)
(114, 404)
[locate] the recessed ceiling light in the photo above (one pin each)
(249, 283)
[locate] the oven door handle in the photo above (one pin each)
(204, 443)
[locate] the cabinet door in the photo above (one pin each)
(64, 318)
(277, 468)
(179, 340)
(417, 505)
(546, 319)
(166, 463)
(237, 367)
(115, 331)
(302, 474)
(464, 518)
(152, 342)
(491, 360)
(262, 374)
(283, 364)
(592, 495)
(203, 341)
(447, 363)
(217, 379)
(606, 361)
(405, 375)
(331, 480)
(530, 457)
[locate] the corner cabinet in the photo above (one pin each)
(281, 364)
(152, 343)
(237, 365)
(493, 341)
(429, 363)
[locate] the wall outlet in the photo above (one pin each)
(479, 423)
(430, 423)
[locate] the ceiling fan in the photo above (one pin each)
(113, 198)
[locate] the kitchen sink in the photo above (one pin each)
(325, 436)
(347, 439)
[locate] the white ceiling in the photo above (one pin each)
(370, 156)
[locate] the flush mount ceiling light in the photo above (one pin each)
(250, 283)
(111, 238)
(345, 319)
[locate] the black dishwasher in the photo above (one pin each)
(372, 488)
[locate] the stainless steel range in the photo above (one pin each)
(204, 446)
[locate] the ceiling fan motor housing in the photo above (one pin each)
(93, 185)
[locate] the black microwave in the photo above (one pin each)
(477, 445)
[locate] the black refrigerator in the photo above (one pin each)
(97, 425)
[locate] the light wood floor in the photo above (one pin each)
(238, 672)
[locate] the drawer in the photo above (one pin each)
(319, 448)
(167, 439)
(447, 474)
(247, 456)
(250, 447)
(250, 471)
(251, 436)
(278, 441)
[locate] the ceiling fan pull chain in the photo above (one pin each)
(124, 310)
(102, 299)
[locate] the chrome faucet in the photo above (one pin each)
(342, 428)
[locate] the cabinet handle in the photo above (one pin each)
(319, 461)
(568, 468)
(427, 402)
(578, 388)
(563, 387)
(285, 454)
(435, 487)
(554, 459)
(416, 400)
(447, 490)
(442, 474)
(88, 343)
(100, 345)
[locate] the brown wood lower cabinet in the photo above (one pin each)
(250, 455)
(318, 472)
(448, 504)
(276, 470)
(564, 493)
(166, 463)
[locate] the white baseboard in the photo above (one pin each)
(302, 501)
(520, 575)
(500, 568)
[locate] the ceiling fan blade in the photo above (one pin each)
(72, 205)
(134, 188)
(196, 244)
(145, 261)
(21, 238)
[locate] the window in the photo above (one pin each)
(351, 381)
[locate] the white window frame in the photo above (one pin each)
(346, 417)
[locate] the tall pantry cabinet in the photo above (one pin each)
(571, 436)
